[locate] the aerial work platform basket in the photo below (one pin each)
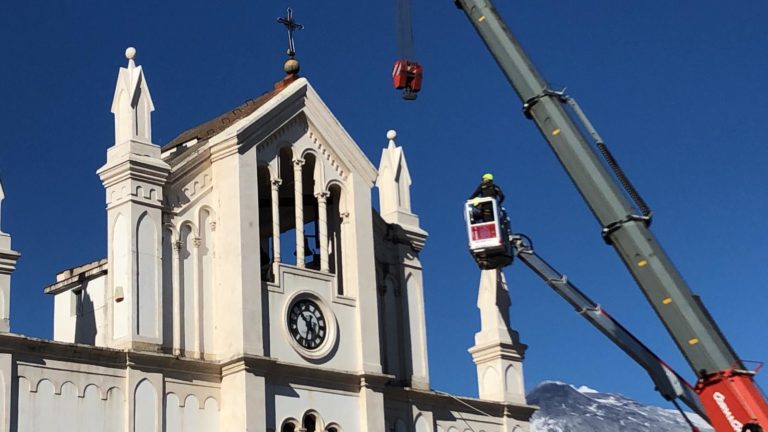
(488, 233)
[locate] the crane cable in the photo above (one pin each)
(607, 156)
(404, 29)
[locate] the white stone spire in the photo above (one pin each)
(8, 258)
(132, 104)
(394, 183)
(134, 179)
(498, 353)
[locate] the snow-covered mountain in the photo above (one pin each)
(564, 408)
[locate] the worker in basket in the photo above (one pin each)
(487, 188)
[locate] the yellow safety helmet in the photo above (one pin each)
(487, 176)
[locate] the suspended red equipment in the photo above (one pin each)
(407, 76)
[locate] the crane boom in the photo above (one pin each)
(728, 392)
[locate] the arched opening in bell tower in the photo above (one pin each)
(335, 235)
(266, 227)
(311, 231)
(287, 206)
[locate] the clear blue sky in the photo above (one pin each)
(676, 89)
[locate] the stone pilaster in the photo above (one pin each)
(322, 221)
(299, 210)
(275, 194)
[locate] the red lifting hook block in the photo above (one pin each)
(407, 76)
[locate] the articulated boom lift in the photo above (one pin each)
(727, 391)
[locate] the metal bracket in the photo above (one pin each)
(547, 92)
(615, 226)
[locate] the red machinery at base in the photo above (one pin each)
(733, 394)
(407, 76)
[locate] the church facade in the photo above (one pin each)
(250, 286)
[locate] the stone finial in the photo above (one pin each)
(130, 54)
(391, 135)
(394, 181)
(132, 104)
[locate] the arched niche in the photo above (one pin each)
(311, 422)
(289, 425)
(121, 288)
(147, 277)
(145, 407)
(205, 253)
(169, 238)
(187, 268)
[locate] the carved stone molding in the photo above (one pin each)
(324, 150)
(297, 124)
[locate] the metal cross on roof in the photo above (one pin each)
(292, 26)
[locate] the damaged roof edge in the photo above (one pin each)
(218, 124)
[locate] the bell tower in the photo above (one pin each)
(134, 177)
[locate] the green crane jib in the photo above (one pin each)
(728, 393)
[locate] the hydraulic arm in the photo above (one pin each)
(727, 391)
(668, 382)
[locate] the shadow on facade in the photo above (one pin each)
(85, 321)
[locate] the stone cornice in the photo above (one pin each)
(330, 128)
(500, 350)
(8, 260)
(434, 398)
(257, 127)
(98, 269)
(412, 236)
(305, 374)
(297, 126)
(195, 163)
(298, 98)
(135, 167)
(33, 349)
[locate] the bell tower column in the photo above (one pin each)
(133, 178)
(498, 353)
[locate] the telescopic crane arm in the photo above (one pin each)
(727, 391)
